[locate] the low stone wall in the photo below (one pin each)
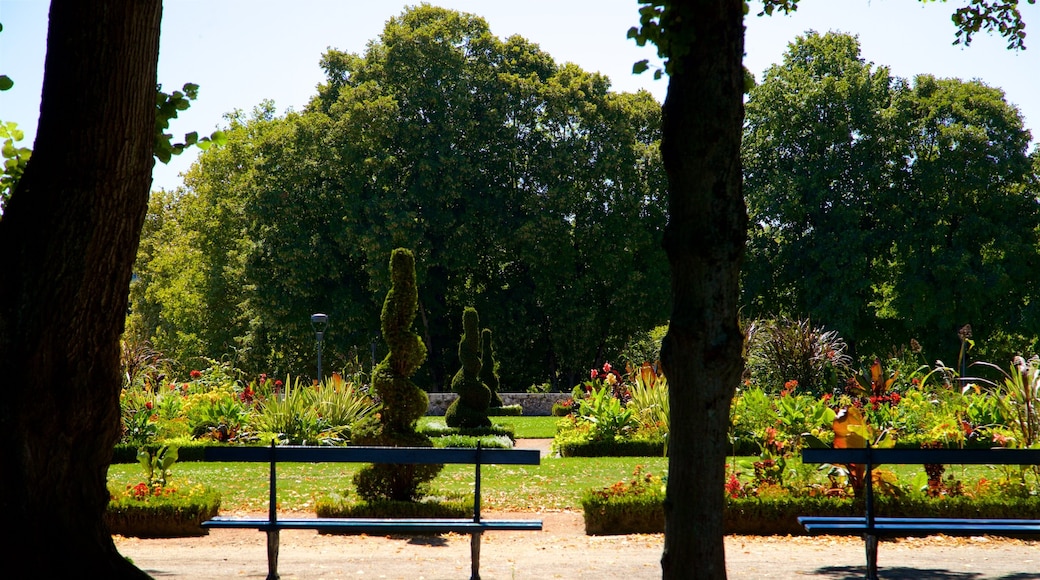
(534, 404)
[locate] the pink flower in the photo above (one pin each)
(594, 373)
(607, 367)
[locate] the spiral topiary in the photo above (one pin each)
(403, 403)
(470, 409)
(488, 367)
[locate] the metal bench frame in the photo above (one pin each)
(273, 455)
(873, 527)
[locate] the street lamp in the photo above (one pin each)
(318, 323)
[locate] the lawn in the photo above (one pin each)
(557, 483)
(523, 427)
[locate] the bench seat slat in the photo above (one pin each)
(824, 520)
(400, 455)
(901, 528)
(996, 456)
(377, 525)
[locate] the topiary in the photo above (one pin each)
(470, 409)
(403, 403)
(489, 368)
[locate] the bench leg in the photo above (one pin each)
(872, 542)
(272, 554)
(474, 548)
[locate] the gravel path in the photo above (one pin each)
(563, 551)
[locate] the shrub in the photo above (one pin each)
(489, 368)
(323, 414)
(784, 350)
(403, 403)
(470, 409)
(337, 506)
(155, 507)
(627, 507)
(506, 411)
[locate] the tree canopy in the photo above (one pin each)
(526, 188)
(884, 208)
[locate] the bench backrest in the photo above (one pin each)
(398, 455)
(873, 456)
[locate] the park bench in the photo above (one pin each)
(474, 526)
(873, 527)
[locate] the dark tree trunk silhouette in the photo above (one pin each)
(704, 239)
(68, 239)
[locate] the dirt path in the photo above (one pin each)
(563, 551)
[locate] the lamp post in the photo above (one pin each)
(318, 323)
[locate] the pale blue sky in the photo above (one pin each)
(242, 52)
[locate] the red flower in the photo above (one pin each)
(195, 374)
(148, 405)
(594, 373)
(606, 367)
(733, 485)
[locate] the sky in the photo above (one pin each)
(244, 52)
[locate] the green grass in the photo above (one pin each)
(524, 427)
(557, 483)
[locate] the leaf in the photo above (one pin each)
(6, 83)
(640, 67)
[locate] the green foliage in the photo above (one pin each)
(167, 107)
(157, 465)
(649, 400)
(857, 159)
(445, 139)
(323, 414)
(337, 506)
(166, 515)
(785, 354)
(470, 409)
(15, 158)
(489, 368)
(402, 402)
(1018, 397)
(635, 506)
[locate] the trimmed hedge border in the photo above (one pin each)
(611, 448)
(779, 516)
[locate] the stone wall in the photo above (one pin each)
(534, 404)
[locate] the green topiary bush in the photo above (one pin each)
(470, 409)
(403, 403)
(489, 368)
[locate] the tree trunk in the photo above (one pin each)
(68, 238)
(704, 239)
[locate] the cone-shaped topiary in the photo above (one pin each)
(403, 403)
(470, 409)
(488, 367)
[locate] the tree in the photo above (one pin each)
(702, 42)
(470, 409)
(520, 184)
(68, 236)
(965, 246)
(822, 161)
(884, 210)
(402, 403)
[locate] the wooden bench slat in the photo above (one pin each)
(399, 455)
(417, 526)
(995, 456)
